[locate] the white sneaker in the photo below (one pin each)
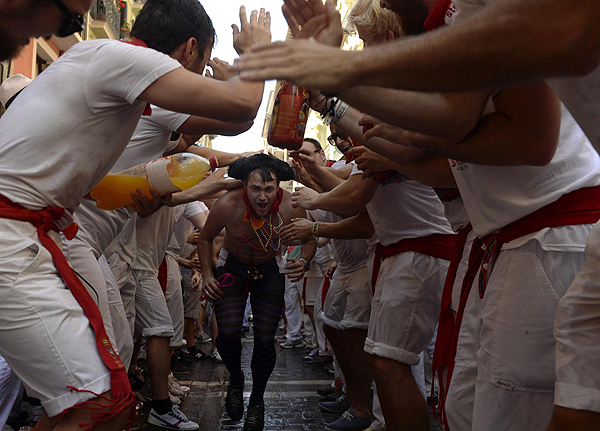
(216, 357)
(175, 419)
(176, 388)
(287, 344)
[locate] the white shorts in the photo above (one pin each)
(84, 261)
(191, 297)
(348, 302)
(577, 332)
(406, 306)
(152, 314)
(311, 290)
(44, 334)
(120, 325)
(123, 275)
(174, 297)
(515, 359)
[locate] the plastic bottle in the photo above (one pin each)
(167, 174)
(290, 113)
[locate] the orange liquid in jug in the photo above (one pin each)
(114, 190)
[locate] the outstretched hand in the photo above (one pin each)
(375, 128)
(302, 62)
(303, 198)
(300, 229)
(307, 158)
(253, 32)
(370, 162)
(312, 18)
(221, 70)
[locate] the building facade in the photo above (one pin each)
(111, 19)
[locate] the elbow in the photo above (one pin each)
(358, 200)
(543, 152)
(578, 42)
(243, 127)
(541, 158)
(245, 111)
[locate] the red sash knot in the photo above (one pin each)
(122, 395)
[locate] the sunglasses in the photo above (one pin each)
(332, 139)
(71, 22)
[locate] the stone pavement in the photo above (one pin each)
(291, 400)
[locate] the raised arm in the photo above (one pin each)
(183, 91)
(214, 183)
(509, 42)
(358, 226)
(351, 195)
(231, 100)
(523, 130)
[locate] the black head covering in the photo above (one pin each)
(242, 167)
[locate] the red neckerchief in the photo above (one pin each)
(140, 42)
(437, 16)
(256, 219)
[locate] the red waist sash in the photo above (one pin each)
(578, 207)
(443, 341)
(122, 396)
(436, 245)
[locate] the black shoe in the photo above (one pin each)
(200, 355)
(255, 418)
(234, 403)
(176, 366)
(326, 391)
(189, 358)
(334, 396)
(185, 358)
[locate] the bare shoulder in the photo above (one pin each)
(286, 209)
(229, 204)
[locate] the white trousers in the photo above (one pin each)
(293, 310)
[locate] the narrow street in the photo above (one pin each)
(291, 399)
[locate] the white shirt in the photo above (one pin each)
(581, 96)
(496, 196)
(182, 229)
(70, 125)
(405, 210)
(322, 258)
(350, 254)
(150, 140)
(154, 233)
(454, 208)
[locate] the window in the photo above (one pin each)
(4, 69)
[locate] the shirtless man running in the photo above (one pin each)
(250, 261)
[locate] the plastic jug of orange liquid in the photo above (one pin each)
(167, 174)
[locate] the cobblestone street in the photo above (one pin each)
(291, 400)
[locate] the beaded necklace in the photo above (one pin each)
(265, 237)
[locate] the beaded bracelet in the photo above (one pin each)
(316, 229)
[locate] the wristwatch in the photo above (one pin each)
(306, 264)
